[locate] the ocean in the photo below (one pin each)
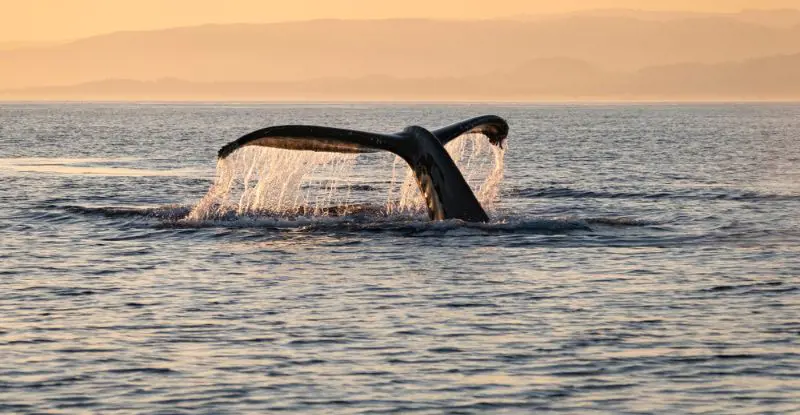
(641, 258)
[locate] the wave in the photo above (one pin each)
(361, 218)
(719, 194)
(168, 212)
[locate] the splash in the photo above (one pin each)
(261, 181)
(479, 161)
(276, 182)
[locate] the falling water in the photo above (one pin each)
(261, 181)
(480, 162)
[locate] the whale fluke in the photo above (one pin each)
(447, 195)
(492, 126)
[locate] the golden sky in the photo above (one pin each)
(52, 20)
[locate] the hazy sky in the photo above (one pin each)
(44, 20)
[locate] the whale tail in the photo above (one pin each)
(447, 195)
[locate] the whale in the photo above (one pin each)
(447, 194)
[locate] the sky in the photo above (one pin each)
(58, 20)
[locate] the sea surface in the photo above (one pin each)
(641, 258)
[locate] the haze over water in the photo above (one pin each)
(359, 50)
(641, 259)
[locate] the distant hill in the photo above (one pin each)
(778, 18)
(771, 78)
(776, 77)
(402, 49)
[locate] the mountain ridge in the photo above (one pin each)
(405, 48)
(767, 78)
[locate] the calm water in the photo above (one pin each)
(642, 259)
